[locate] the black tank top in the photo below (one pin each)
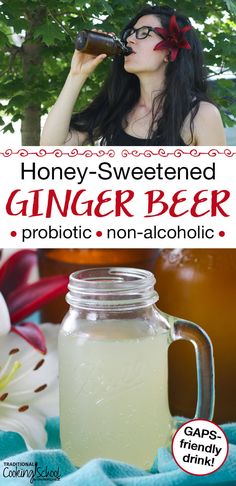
(122, 138)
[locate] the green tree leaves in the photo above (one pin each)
(231, 6)
(49, 33)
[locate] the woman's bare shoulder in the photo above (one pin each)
(208, 125)
(207, 109)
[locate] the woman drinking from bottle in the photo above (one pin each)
(156, 95)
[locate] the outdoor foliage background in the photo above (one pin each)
(32, 74)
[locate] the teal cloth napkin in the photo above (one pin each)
(54, 465)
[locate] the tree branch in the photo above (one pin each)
(60, 24)
(14, 51)
(222, 71)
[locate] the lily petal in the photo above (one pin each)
(30, 358)
(161, 31)
(32, 334)
(184, 44)
(29, 298)
(29, 383)
(30, 426)
(49, 403)
(173, 26)
(174, 53)
(5, 323)
(186, 28)
(15, 271)
(164, 44)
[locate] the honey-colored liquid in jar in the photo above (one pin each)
(200, 285)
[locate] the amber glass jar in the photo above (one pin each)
(65, 261)
(200, 284)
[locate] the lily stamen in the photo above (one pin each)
(14, 351)
(3, 397)
(16, 380)
(8, 377)
(39, 364)
(4, 369)
(23, 408)
(40, 388)
(9, 405)
(28, 392)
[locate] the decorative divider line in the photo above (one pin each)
(214, 152)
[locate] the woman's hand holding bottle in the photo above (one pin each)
(56, 130)
(84, 64)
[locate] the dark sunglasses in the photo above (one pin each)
(140, 33)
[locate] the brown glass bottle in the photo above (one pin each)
(95, 43)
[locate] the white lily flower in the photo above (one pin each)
(5, 321)
(28, 382)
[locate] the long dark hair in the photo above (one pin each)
(185, 87)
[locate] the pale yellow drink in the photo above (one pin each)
(113, 395)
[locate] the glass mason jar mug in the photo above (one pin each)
(113, 350)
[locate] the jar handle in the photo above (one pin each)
(189, 331)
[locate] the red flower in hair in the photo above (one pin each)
(173, 38)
